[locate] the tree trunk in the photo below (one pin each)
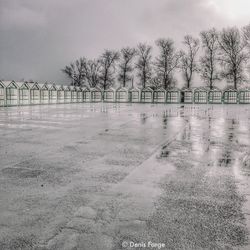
(144, 79)
(124, 80)
(124, 75)
(165, 83)
(235, 81)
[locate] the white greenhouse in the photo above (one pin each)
(52, 94)
(60, 95)
(134, 94)
(214, 96)
(147, 95)
(79, 94)
(44, 94)
(173, 95)
(24, 93)
(2, 94)
(187, 95)
(73, 94)
(67, 94)
(96, 94)
(11, 93)
(86, 95)
(244, 95)
(200, 95)
(160, 95)
(122, 94)
(109, 95)
(230, 96)
(35, 94)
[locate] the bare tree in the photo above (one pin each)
(233, 55)
(125, 66)
(92, 71)
(246, 35)
(107, 70)
(209, 60)
(155, 82)
(144, 63)
(167, 62)
(188, 60)
(75, 71)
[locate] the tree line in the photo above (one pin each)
(214, 55)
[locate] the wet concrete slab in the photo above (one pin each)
(100, 176)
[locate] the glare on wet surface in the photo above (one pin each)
(90, 176)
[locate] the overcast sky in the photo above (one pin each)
(39, 37)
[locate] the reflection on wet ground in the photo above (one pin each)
(91, 176)
(202, 203)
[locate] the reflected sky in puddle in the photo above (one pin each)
(219, 132)
(214, 136)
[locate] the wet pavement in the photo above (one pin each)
(125, 176)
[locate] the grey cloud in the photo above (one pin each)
(39, 37)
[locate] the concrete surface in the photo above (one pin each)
(124, 176)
